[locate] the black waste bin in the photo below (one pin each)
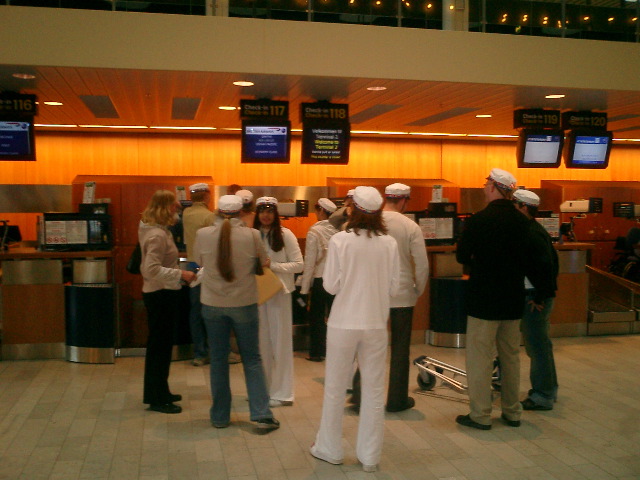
(90, 323)
(448, 317)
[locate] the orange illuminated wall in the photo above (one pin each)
(62, 156)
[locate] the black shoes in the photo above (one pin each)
(268, 424)
(165, 408)
(315, 359)
(467, 422)
(175, 398)
(528, 404)
(410, 404)
(511, 423)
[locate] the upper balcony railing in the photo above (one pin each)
(614, 20)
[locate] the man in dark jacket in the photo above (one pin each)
(537, 310)
(495, 248)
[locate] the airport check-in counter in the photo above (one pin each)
(446, 290)
(42, 318)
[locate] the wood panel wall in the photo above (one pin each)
(62, 156)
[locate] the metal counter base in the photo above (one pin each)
(440, 339)
(32, 351)
(90, 354)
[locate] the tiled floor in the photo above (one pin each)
(61, 420)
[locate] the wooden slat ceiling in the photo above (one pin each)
(145, 98)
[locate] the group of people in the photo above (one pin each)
(364, 264)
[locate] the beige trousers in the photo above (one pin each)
(484, 338)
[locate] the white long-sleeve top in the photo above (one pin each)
(363, 273)
(287, 261)
(315, 252)
(159, 266)
(414, 265)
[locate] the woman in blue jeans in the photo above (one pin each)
(227, 252)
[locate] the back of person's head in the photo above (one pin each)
(199, 192)
(233, 189)
(160, 209)
(527, 199)
(503, 181)
(366, 212)
(229, 206)
(247, 199)
(325, 205)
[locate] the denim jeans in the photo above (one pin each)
(535, 331)
(219, 321)
(196, 324)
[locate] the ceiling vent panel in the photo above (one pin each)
(439, 117)
(184, 108)
(100, 106)
(372, 112)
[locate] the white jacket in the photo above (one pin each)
(315, 252)
(362, 272)
(287, 261)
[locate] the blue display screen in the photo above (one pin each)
(15, 140)
(590, 150)
(264, 143)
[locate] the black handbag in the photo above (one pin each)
(133, 265)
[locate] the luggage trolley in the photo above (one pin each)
(431, 369)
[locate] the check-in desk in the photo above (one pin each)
(442, 304)
(33, 310)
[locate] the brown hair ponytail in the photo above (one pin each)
(225, 266)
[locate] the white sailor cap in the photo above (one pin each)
(397, 190)
(267, 202)
(350, 193)
(502, 179)
(246, 196)
(327, 204)
(367, 199)
(527, 197)
(229, 204)
(199, 187)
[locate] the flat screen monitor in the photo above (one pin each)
(539, 148)
(266, 141)
(588, 149)
(16, 139)
(325, 143)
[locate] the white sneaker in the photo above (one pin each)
(280, 403)
(325, 458)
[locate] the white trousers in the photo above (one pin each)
(369, 347)
(276, 346)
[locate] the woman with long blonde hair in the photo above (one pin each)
(162, 282)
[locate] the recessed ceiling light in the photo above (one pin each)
(376, 89)
(484, 116)
(54, 104)
(223, 107)
(555, 96)
(23, 76)
(243, 83)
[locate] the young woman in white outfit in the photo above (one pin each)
(276, 342)
(362, 270)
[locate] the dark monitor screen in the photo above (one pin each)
(623, 209)
(588, 149)
(266, 141)
(16, 139)
(539, 148)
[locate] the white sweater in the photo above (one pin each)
(315, 252)
(363, 273)
(414, 266)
